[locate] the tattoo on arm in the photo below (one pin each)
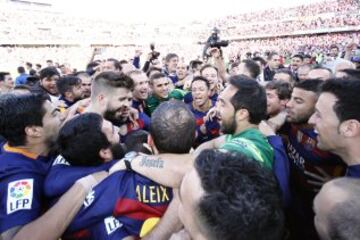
(151, 163)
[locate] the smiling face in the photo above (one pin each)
(200, 93)
(118, 105)
(141, 90)
(326, 123)
(49, 84)
(211, 75)
(160, 87)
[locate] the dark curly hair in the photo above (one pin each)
(241, 200)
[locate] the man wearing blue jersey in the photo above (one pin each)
(140, 94)
(111, 97)
(211, 73)
(310, 167)
(206, 129)
(132, 200)
(30, 125)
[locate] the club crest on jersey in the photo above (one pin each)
(19, 195)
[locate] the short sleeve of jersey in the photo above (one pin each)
(62, 176)
(20, 200)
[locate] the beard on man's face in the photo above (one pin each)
(228, 127)
(110, 115)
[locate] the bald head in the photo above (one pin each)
(320, 73)
(337, 210)
(344, 64)
(173, 127)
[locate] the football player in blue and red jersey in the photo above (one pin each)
(337, 122)
(206, 129)
(127, 204)
(211, 73)
(310, 167)
(30, 124)
(140, 94)
(111, 97)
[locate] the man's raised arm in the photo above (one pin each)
(165, 169)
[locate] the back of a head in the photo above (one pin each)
(320, 72)
(228, 210)
(18, 112)
(260, 60)
(21, 89)
(287, 72)
(344, 219)
(251, 96)
(116, 63)
(32, 80)
(21, 70)
(135, 141)
(81, 139)
(252, 67)
(173, 127)
(352, 74)
(108, 81)
(2, 75)
(195, 63)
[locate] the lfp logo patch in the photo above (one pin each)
(20, 195)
